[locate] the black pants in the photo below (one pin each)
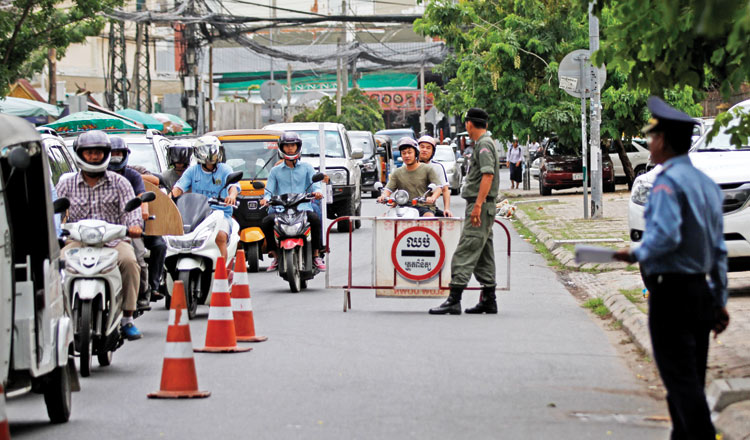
(267, 227)
(681, 315)
(158, 248)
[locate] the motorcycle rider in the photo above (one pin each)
(426, 154)
(414, 177)
(95, 193)
(292, 177)
(178, 159)
(208, 177)
(152, 267)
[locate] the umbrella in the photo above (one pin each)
(147, 120)
(173, 124)
(83, 121)
(27, 108)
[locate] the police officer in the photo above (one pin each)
(475, 252)
(682, 248)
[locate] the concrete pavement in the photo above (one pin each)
(557, 223)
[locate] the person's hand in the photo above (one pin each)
(447, 213)
(507, 164)
(144, 215)
(476, 215)
(430, 200)
(518, 164)
(381, 199)
(721, 321)
(134, 231)
(263, 202)
(624, 255)
(317, 195)
(231, 199)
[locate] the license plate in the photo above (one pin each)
(577, 176)
(252, 204)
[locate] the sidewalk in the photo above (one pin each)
(556, 222)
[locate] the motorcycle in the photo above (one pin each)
(191, 257)
(249, 214)
(401, 206)
(94, 286)
(292, 233)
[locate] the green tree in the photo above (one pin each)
(28, 28)
(358, 112)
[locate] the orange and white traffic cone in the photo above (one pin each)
(220, 333)
(4, 427)
(178, 378)
(242, 305)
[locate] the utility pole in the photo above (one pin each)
(189, 72)
(338, 78)
(596, 150)
(287, 118)
(421, 100)
(117, 84)
(270, 32)
(211, 87)
(142, 69)
(52, 64)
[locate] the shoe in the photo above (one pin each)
(319, 263)
(452, 305)
(487, 303)
(130, 332)
(274, 265)
(143, 304)
(156, 296)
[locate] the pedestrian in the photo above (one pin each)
(514, 160)
(682, 246)
(475, 252)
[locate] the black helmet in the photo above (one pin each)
(290, 137)
(179, 152)
(95, 139)
(407, 142)
(118, 144)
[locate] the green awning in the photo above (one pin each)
(369, 81)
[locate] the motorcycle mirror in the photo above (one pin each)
(19, 158)
(399, 159)
(378, 186)
(148, 196)
(233, 178)
(317, 177)
(60, 205)
(258, 185)
(132, 204)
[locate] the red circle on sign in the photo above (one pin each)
(429, 274)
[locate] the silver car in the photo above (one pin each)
(444, 154)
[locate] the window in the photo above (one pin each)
(311, 147)
(58, 165)
(254, 158)
(145, 156)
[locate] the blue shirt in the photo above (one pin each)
(685, 226)
(135, 179)
(210, 184)
(285, 180)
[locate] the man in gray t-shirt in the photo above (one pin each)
(414, 178)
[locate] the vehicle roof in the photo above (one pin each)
(239, 133)
(396, 130)
(359, 132)
(302, 126)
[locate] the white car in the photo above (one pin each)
(728, 167)
(534, 169)
(638, 155)
(444, 154)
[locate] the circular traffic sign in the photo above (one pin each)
(569, 74)
(418, 253)
(271, 91)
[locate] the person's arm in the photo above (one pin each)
(132, 219)
(150, 178)
(718, 275)
(390, 187)
(484, 188)
(433, 179)
(447, 201)
(184, 183)
(270, 187)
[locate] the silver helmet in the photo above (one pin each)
(95, 139)
(207, 150)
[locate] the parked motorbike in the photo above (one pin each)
(94, 286)
(191, 257)
(401, 206)
(292, 233)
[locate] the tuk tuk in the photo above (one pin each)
(36, 332)
(385, 155)
(254, 152)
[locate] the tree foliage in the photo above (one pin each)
(358, 112)
(28, 28)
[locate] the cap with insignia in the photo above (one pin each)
(476, 115)
(664, 116)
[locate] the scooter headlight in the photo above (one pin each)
(401, 197)
(290, 230)
(91, 235)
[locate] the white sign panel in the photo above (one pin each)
(569, 83)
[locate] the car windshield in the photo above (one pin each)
(556, 148)
(362, 141)
(395, 137)
(444, 155)
(254, 158)
(722, 141)
(145, 156)
(311, 146)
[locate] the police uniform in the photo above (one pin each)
(475, 252)
(682, 249)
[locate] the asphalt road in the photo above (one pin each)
(541, 368)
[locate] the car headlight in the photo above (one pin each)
(369, 166)
(338, 177)
(736, 198)
(639, 194)
(91, 235)
(401, 197)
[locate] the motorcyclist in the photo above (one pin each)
(292, 177)
(426, 154)
(414, 177)
(178, 159)
(156, 245)
(208, 177)
(95, 193)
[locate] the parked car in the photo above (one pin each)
(59, 157)
(702, 126)
(561, 167)
(638, 155)
(727, 166)
(444, 155)
(370, 163)
(534, 168)
(341, 165)
(395, 134)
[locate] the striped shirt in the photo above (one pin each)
(104, 201)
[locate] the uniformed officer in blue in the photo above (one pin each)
(683, 262)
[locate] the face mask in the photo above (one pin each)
(116, 160)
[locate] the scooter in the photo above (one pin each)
(292, 233)
(401, 206)
(249, 214)
(191, 258)
(94, 286)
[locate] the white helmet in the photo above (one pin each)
(95, 139)
(207, 149)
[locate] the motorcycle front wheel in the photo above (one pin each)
(191, 284)
(291, 270)
(86, 338)
(252, 255)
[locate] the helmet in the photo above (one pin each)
(428, 140)
(117, 163)
(207, 149)
(407, 142)
(290, 137)
(447, 141)
(95, 139)
(179, 152)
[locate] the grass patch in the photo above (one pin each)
(597, 306)
(539, 247)
(533, 212)
(616, 325)
(632, 268)
(635, 296)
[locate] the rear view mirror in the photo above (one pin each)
(357, 153)
(132, 204)
(148, 196)
(317, 177)
(258, 185)
(233, 178)
(60, 205)
(19, 158)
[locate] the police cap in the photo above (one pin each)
(476, 115)
(664, 116)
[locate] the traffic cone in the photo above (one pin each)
(178, 378)
(4, 428)
(220, 333)
(242, 305)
